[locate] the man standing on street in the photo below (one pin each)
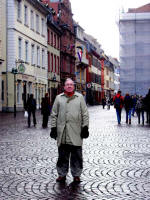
(69, 124)
(118, 104)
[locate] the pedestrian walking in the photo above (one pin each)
(134, 100)
(108, 103)
(128, 107)
(147, 103)
(45, 110)
(31, 108)
(140, 109)
(69, 125)
(104, 102)
(118, 104)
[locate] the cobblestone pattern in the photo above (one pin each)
(116, 161)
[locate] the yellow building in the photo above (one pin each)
(2, 52)
(108, 78)
(26, 52)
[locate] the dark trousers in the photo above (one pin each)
(45, 120)
(118, 112)
(69, 154)
(139, 112)
(128, 115)
(148, 117)
(29, 118)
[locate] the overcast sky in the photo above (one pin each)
(98, 18)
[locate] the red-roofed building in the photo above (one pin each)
(63, 18)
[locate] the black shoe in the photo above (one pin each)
(76, 179)
(61, 179)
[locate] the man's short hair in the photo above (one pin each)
(69, 79)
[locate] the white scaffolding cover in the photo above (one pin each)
(135, 53)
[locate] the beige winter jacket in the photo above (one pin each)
(71, 112)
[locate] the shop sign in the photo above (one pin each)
(21, 68)
(88, 85)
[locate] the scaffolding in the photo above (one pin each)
(134, 53)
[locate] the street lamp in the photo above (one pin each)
(14, 71)
(19, 69)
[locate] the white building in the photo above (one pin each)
(2, 51)
(26, 47)
(134, 29)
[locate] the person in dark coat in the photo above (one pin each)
(134, 100)
(140, 109)
(128, 107)
(118, 104)
(104, 102)
(45, 110)
(31, 108)
(147, 105)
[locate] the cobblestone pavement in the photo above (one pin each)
(116, 161)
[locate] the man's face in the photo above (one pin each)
(69, 86)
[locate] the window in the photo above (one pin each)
(82, 74)
(55, 63)
(19, 10)
(39, 96)
(42, 21)
(58, 42)
(26, 51)
(52, 62)
(25, 15)
(30, 88)
(107, 84)
(48, 36)
(2, 95)
(37, 24)
(55, 40)
(32, 19)
(58, 70)
(19, 92)
(38, 56)
(36, 93)
(52, 38)
(32, 54)
(48, 56)
(43, 58)
(19, 48)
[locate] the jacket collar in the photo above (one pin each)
(75, 94)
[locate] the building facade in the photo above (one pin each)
(26, 69)
(134, 27)
(93, 72)
(64, 19)
(54, 36)
(108, 78)
(2, 53)
(81, 60)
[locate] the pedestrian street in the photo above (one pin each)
(116, 160)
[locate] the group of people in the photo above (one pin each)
(31, 109)
(70, 124)
(132, 104)
(106, 102)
